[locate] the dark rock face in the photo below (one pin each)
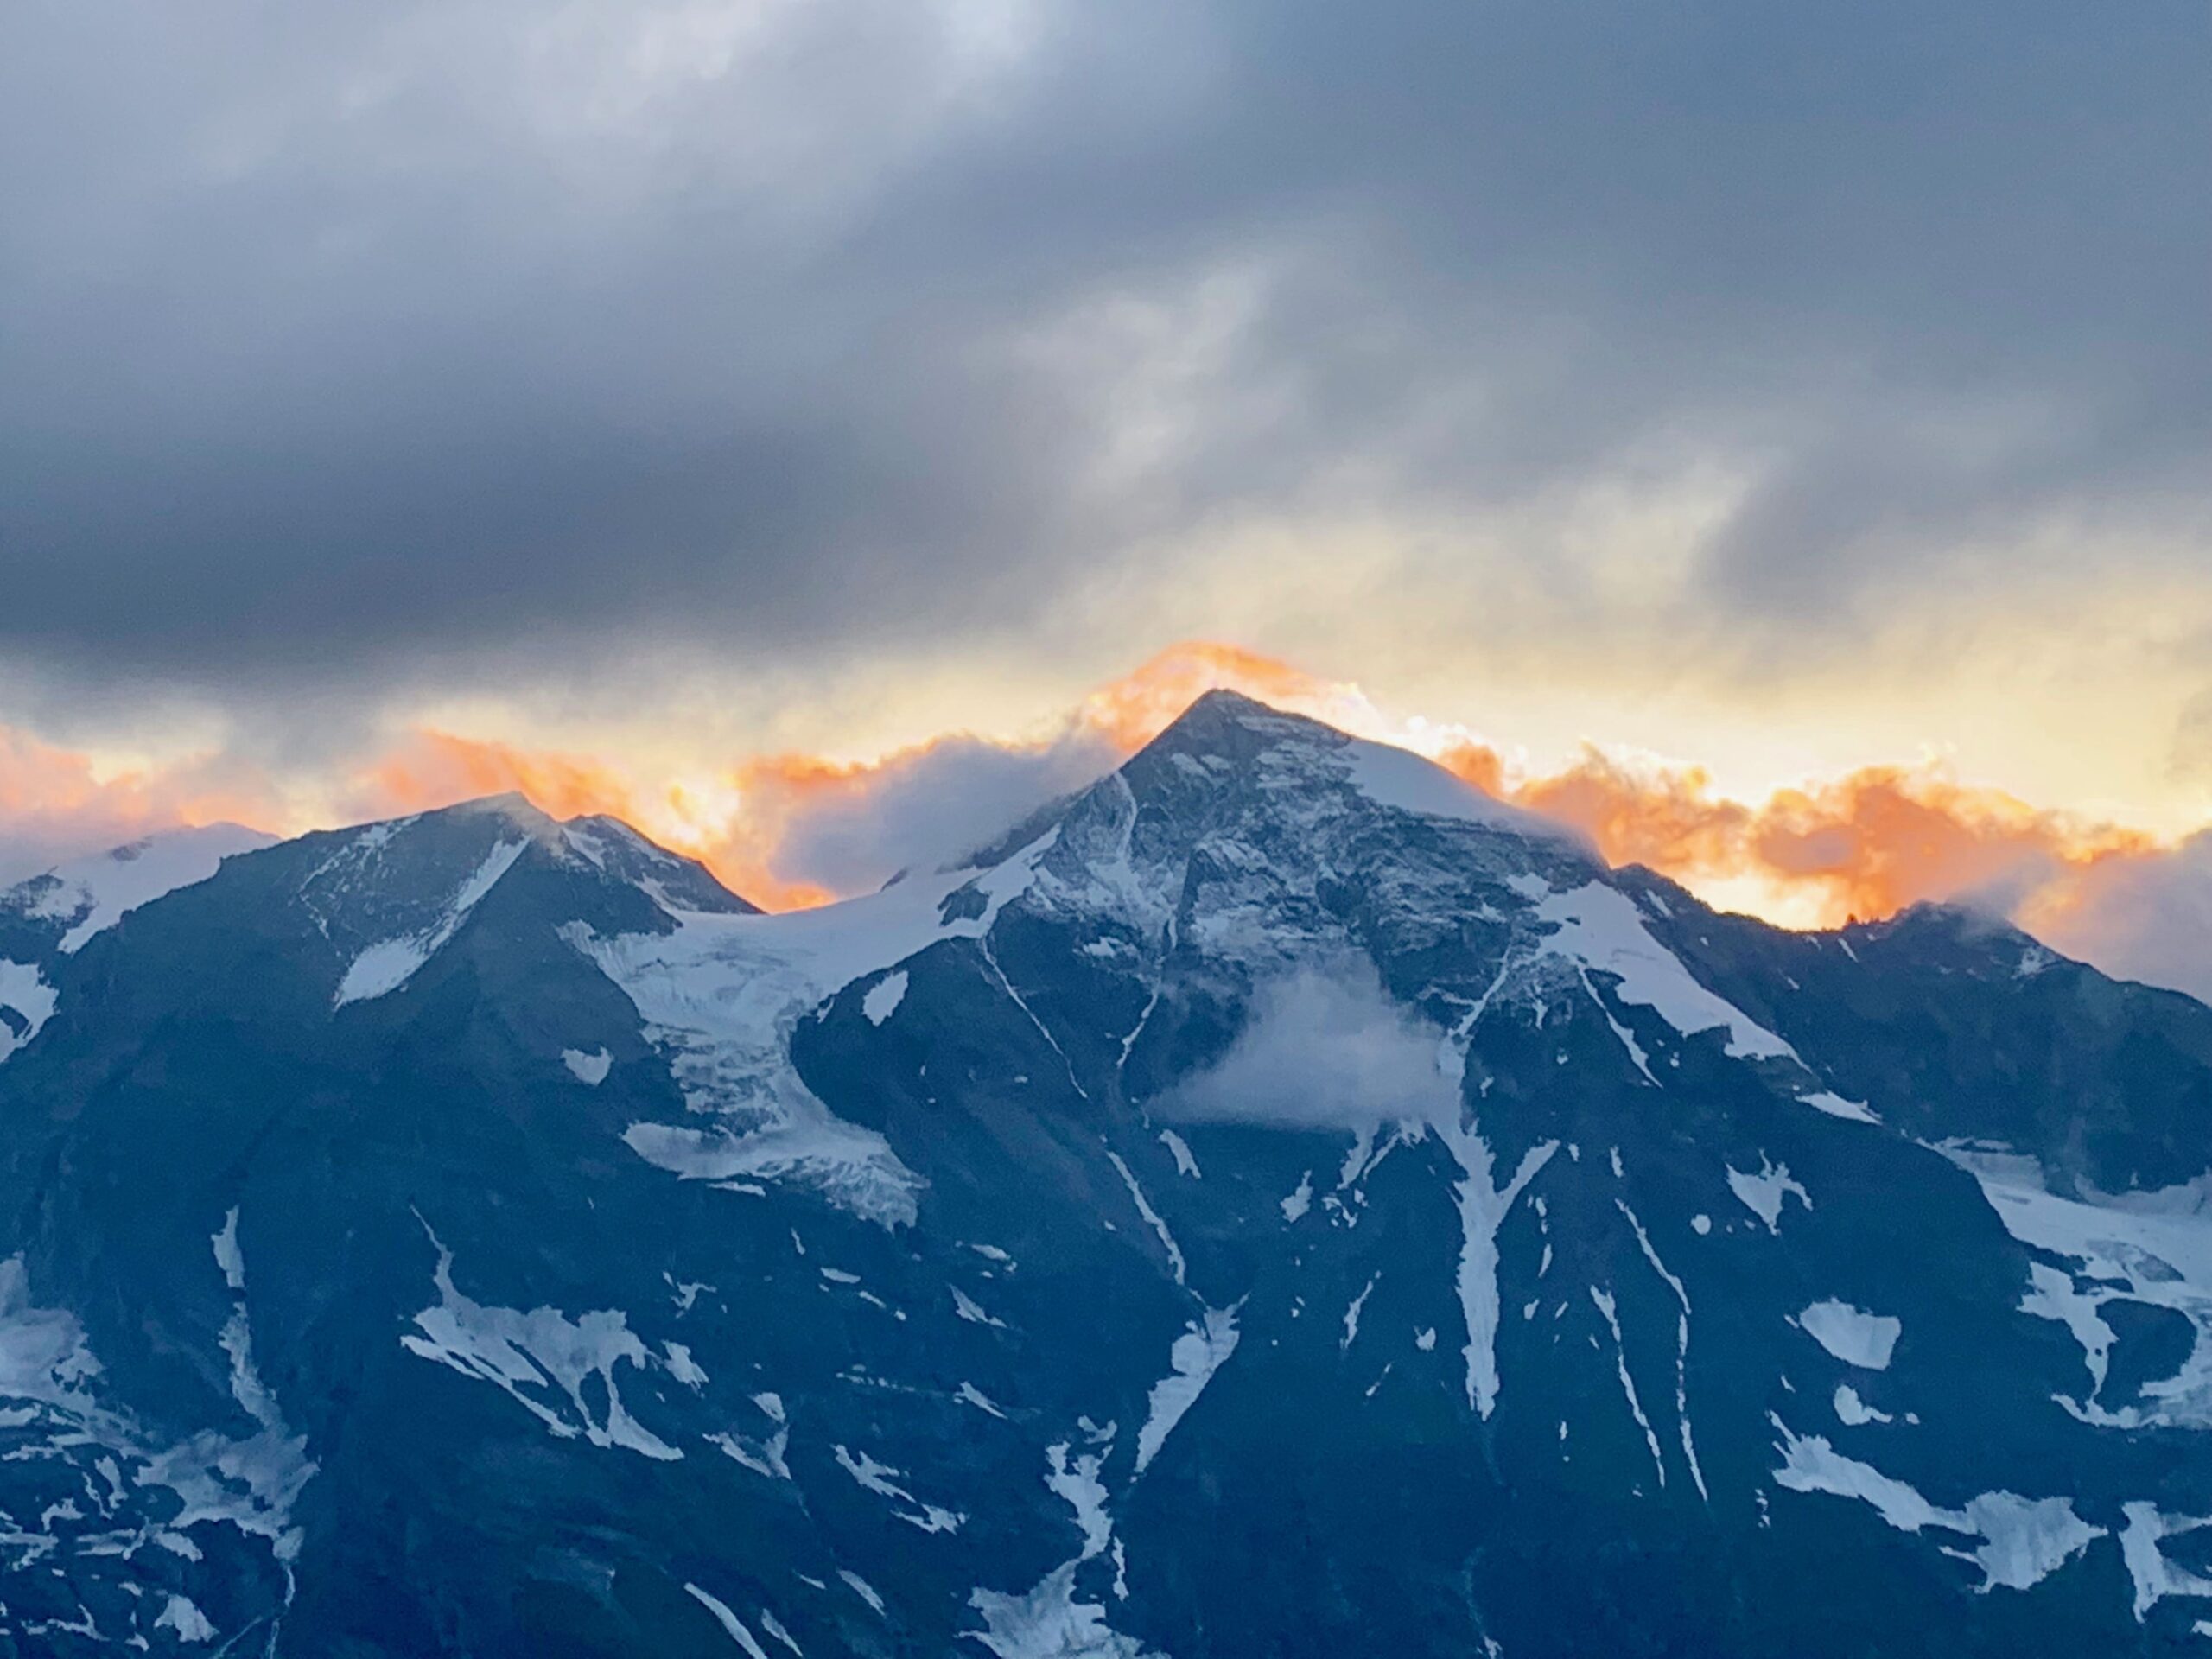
(1278, 1203)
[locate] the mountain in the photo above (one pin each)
(52, 916)
(1277, 1202)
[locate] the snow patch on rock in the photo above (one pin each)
(539, 1358)
(1763, 1193)
(182, 1615)
(1852, 1334)
(2156, 1578)
(1601, 928)
(590, 1070)
(1179, 1149)
(882, 1479)
(1852, 1412)
(23, 990)
(721, 995)
(1200, 1351)
(1483, 1208)
(2153, 1247)
(1048, 1622)
(884, 997)
(385, 966)
(732, 1625)
(2023, 1539)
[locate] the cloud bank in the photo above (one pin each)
(483, 342)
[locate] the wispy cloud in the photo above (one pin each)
(1324, 1048)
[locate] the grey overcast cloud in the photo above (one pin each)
(349, 342)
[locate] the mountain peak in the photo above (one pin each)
(674, 881)
(510, 807)
(1301, 761)
(1222, 718)
(447, 843)
(512, 802)
(1228, 700)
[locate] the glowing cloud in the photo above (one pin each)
(1130, 712)
(795, 830)
(1865, 845)
(56, 802)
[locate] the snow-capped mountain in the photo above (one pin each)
(71, 902)
(53, 915)
(1278, 1201)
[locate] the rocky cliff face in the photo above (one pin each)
(1278, 1202)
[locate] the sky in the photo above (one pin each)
(1777, 440)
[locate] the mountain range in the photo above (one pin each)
(1277, 1201)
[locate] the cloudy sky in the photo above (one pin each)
(647, 389)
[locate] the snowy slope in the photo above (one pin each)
(51, 917)
(87, 896)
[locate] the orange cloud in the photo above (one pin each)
(1130, 712)
(1866, 845)
(747, 820)
(793, 830)
(730, 820)
(1665, 820)
(771, 792)
(1474, 763)
(55, 803)
(1881, 839)
(433, 769)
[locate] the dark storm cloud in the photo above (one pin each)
(348, 338)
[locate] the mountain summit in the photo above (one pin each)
(1277, 1201)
